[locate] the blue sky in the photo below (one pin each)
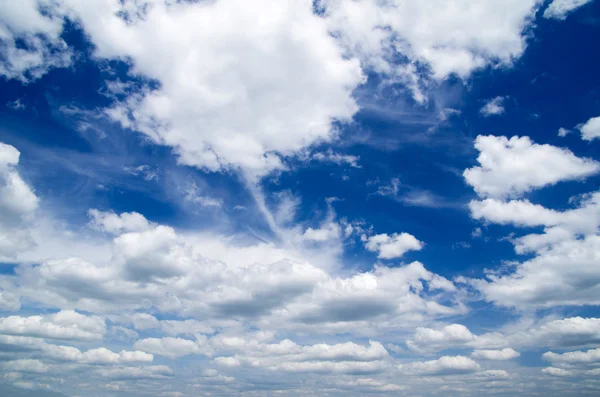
(339, 197)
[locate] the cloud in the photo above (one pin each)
(336, 158)
(493, 107)
(66, 324)
(573, 358)
(455, 38)
(563, 132)
(249, 82)
(557, 372)
(430, 339)
(136, 373)
(116, 224)
(495, 355)
(394, 246)
(169, 346)
(25, 365)
(511, 167)
(287, 356)
(41, 47)
(446, 365)
(560, 9)
(590, 130)
(18, 204)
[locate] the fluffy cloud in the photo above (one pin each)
(493, 107)
(590, 130)
(40, 31)
(66, 324)
(25, 365)
(394, 246)
(17, 205)
(560, 9)
(505, 354)
(511, 167)
(170, 347)
(116, 224)
(573, 358)
(456, 37)
(446, 365)
(249, 82)
(431, 339)
(288, 356)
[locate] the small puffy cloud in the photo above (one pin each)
(563, 132)
(496, 355)
(431, 339)
(560, 9)
(118, 223)
(66, 324)
(170, 347)
(493, 107)
(511, 167)
(559, 372)
(494, 374)
(394, 246)
(573, 358)
(590, 130)
(25, 365)
(446, 365)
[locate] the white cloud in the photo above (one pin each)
(25, 365)
(557, 372)
(66, 324)
(136, 373)
(496, 355)
(117, 224)
(18, 204)
(563, 132)
(394, 246)
(573, 358)
(259, 90)
(493, 107)
(336, 158)
(560, 9)
(40, 31)
(511, 167)
(445, 365)
(170, 347)
(590, 130)
(430, 339)
(454, 37)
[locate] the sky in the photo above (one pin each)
(299, 198)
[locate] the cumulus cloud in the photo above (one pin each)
(493, 107)
(448, 336)
(37, 24)
(169, 346)
(573, 358)
(394, 246)
(445, 365)
(590, 130)
(454, 38)
(249, 82)
(560, 9)
(496, 355)
(511, 167)
(117, 224)
(66, 324)
(17, 205)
